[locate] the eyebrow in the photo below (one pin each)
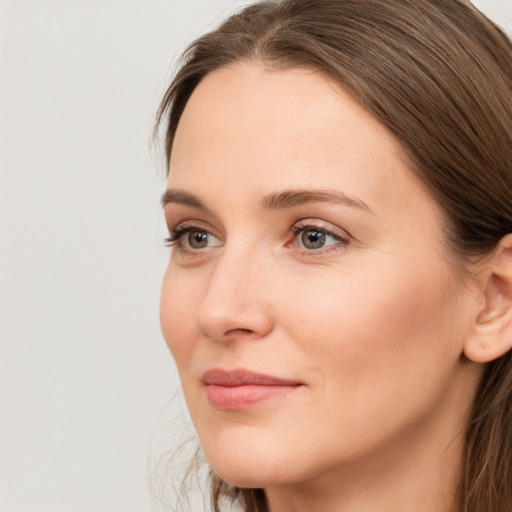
(276, 200)
(292, 198)
(181, 197)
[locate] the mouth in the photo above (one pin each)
(239, 390)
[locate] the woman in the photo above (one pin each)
(339, 295)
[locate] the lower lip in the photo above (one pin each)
(238, 398)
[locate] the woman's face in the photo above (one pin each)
(314, 317)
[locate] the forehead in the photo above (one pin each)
(286, 107)
(256, 126)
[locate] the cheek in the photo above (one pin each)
(177, 318)
(387, 335)
(389, 305)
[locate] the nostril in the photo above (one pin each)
(239, 332)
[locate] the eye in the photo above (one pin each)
(195, 239)
(315, 238)
(192, 238)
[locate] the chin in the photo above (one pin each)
(246, 464)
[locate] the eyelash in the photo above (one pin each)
(177, 233)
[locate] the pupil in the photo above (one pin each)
(197, 239)
(313, 239)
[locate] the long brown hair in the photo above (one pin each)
(437, 74)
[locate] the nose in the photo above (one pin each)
(236, 304)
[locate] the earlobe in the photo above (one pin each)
(491, 334)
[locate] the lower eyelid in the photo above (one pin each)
(321, 253)
(340, 244)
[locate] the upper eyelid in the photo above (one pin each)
(181, 229)
(307, 227)
(300, 224)
(192, 224)
(185, 227)
(326, 226)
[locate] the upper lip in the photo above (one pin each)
(233, 378)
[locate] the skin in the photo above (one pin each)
(374, 323)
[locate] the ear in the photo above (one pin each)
(491, 333)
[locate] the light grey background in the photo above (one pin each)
(84, 373)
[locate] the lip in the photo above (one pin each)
(237, 390)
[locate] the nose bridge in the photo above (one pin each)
(235, 300)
